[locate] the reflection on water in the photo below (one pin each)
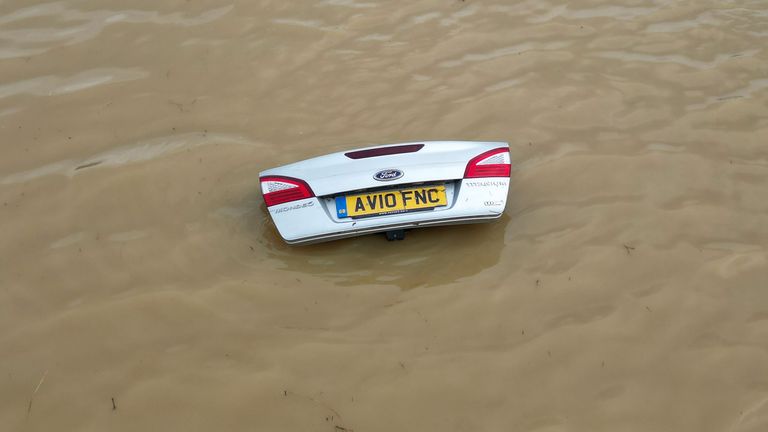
(623, 289)
(428, 256)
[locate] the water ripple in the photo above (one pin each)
(348, 3)
(613, 12)
(675, 58)
(506, 51)
(313, 24)
(705, 18)
(754, 86)
(139, 152)
(87, 25)
(51, 85)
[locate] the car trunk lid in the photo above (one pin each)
(388, 165)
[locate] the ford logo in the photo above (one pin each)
(388, 175)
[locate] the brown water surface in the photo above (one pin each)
(625, 289)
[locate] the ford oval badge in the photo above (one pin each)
(388, 175)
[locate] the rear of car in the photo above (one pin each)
(387, 188)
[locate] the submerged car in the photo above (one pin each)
(388, 188)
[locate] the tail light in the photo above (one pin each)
(278, 190)
(493, 163)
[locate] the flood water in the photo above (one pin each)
(143, 286)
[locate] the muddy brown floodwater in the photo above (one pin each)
(143, 287)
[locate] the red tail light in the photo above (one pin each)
(493, 163)
(278, 190)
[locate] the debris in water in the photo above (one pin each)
(88, 165)
(29, 407)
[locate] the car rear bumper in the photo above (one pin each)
(314, 219)
(384, 228)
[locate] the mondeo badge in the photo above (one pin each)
(388, 175)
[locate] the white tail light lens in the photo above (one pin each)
(278, 190)
(493, 163)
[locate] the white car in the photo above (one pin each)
(389, 188)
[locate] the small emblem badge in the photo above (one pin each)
(388, 175)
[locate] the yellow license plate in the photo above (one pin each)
(391, 201)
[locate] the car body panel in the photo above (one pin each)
(314, 219)
(336, 173)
